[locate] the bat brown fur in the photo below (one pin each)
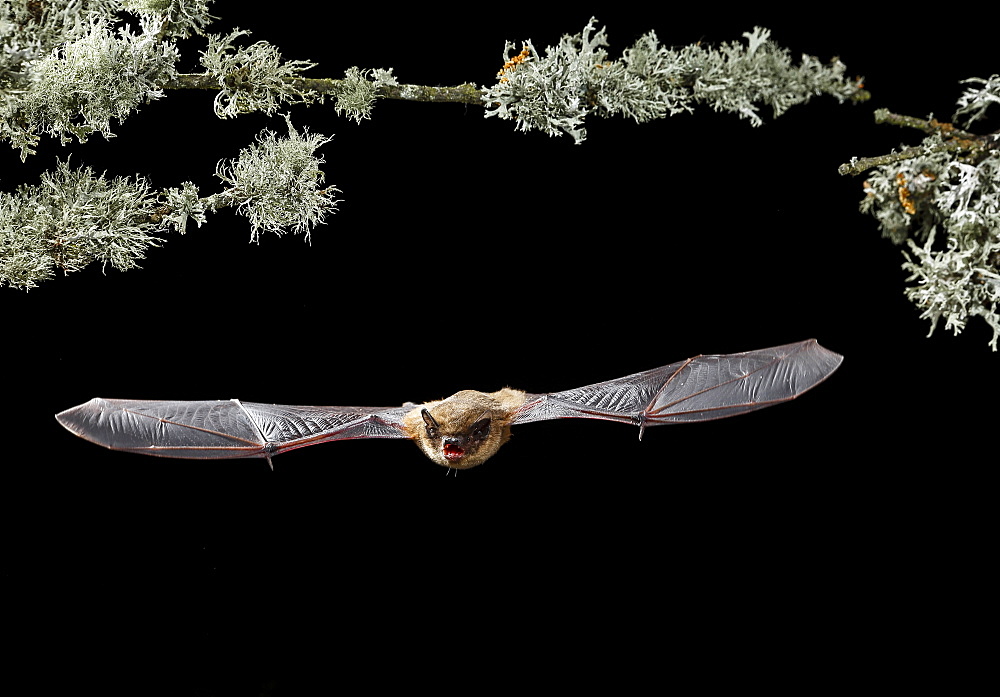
(449, 436)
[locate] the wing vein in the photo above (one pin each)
(692, 395)
(192, 427)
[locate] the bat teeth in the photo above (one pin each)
(453, 452)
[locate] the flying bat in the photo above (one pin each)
(463, 430)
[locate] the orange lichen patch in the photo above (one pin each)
(967, 144)
(512, 63)
(904, 194)
(942, 126)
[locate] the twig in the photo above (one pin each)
(459, 94)
(953, 139)
(926, 125)
(863, 164)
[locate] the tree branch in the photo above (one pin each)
(860, 165)
(926, 125)
(953, 139)
(460, 94)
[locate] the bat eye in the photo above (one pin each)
(480, 430)
(429, 423)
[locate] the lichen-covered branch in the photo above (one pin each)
(98, 76)
(951, 138)
(942, 199)
(459, 94)
(71, 68)
(70, 219)
(466, 93)
(860, 165)
(554, 92)
(928, 126)
(73, 217)
(79, 88)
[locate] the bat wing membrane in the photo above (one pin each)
(698, 389)
(223, 429)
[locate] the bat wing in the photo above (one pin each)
(698, 389)
(223, 429)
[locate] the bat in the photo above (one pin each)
(463, 430)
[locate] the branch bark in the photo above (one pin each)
(953, 139)
(459, 94)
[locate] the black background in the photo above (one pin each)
(798, 546)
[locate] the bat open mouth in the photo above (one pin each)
(453, 452)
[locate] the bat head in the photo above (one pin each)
(465, 429)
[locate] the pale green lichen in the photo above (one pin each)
(253, 78)
(943, 201)
(79, 87)
(182, 204)
(357, 91)
(177, 18)
(276, 183)
(974, 102)
(954, 284)
(70, 219)
(555, 92)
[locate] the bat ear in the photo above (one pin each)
(428, 419)
(429, 422)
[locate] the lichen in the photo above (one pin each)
(70, 219)
(943, 201)
(276, 183)
(81, 86)
(253, 78)
(555, 92)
